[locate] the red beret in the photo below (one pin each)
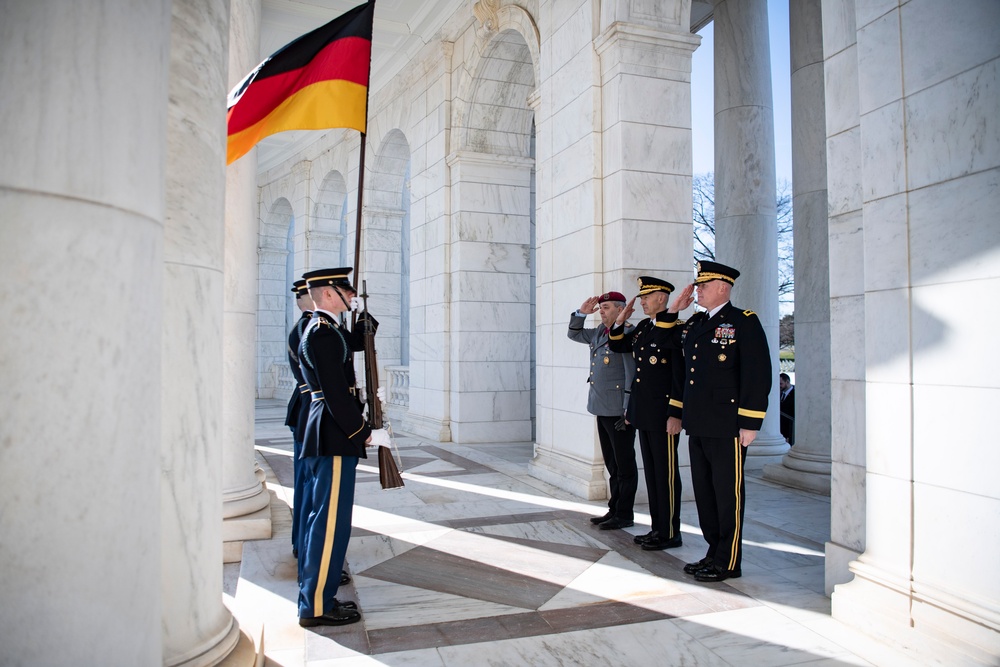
(611, 296)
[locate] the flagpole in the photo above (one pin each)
(361, 195)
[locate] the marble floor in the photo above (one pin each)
(474, 562)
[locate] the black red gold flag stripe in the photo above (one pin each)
(317, 82)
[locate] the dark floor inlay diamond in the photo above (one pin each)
(433, 570)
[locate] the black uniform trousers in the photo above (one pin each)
(717, 475)
(618, 449)
(663, 481)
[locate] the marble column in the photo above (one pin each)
(81, 248)
(380, 267)
(807, 464)
(928, 92)
(197, 627)
(245, 501)
(847, 286)
(644, 122)
(745, 210)
(491, 299)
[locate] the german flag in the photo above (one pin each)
(317, 82)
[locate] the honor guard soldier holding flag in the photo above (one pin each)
(653, 346)
(610, 377)
(298, 404)
(727, 379)
(334, 439)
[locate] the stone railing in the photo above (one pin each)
(397, 391)
(284, 380)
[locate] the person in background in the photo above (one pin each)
(787, 407)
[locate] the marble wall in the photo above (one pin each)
(929, 152)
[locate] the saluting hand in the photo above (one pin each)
(682, 300)
(626, 313)
(589, 306)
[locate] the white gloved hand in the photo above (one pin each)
(380, 438)
(381, 394)
(355, 304)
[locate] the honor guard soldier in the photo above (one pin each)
(657, 373)
(727, 379)
(334, 439)
(298, 404)
(611, 375)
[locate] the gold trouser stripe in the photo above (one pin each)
(745, 412)
(675, 403)
(738, 462)
(671, 454)
(331, 529)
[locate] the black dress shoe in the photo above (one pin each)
(659, 544)
(295, 553)
(344, 578)
(712, 573)
(639, 539)
(614, 523)
(691, 568)
(350, 604)
(341, 614)
(600, 519)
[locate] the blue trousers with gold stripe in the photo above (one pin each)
(663, 481)
(326, 530)
(719, 492)
(297, 492)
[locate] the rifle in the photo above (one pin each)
(388, 471)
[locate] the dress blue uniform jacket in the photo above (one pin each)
(298, 404)
(727, 374)
(336, 426)
(658, 369)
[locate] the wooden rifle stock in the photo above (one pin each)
(388, 471)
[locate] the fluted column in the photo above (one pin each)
(245, 501)
(81, 248)
(807, 464)
(197, 627)
(745, 191)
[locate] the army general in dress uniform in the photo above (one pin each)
(727, 379)
(334, 439)
(610, 377)
(657, 375)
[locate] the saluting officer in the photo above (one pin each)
(334, 439)
(298, 404)
(727, 380)
(657, 372)
(611, 375)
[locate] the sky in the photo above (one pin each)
(702, 103)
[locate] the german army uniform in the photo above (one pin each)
(653, 346)
(610, 377)
(298, 413)
(727, 379)
(333, 441)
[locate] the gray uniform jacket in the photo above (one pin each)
(611, 373)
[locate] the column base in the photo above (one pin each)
(932, 627)
(214, 651)
(236, 530)
(764, 450)
(801, 471)
(427, 427)
(244, 655)
(570, 474)
(838, 561)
